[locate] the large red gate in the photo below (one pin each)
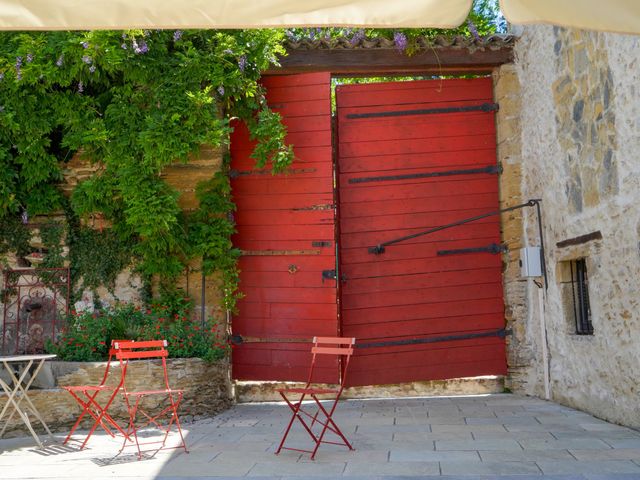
(286, 231)
(409, 160)
(411, 156)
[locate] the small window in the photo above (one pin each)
(580, 296)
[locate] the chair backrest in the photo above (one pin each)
(110, 358)
(341, 347)
(138, 350)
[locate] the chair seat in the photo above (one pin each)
(310, 391)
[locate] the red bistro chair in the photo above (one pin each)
(328, 346)
(127, 351)
(86, 395)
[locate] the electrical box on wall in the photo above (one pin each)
(530, 262)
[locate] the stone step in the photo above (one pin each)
(246, 392)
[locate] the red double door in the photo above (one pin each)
(400, 159)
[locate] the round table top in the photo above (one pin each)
(27, 358)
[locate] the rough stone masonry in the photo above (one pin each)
(579, 127)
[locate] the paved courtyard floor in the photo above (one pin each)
(489, 436)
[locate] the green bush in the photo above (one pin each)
(88, 335)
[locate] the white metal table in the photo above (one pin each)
(20, 371)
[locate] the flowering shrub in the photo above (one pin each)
(88, 335)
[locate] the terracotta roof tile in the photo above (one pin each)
(492, 42)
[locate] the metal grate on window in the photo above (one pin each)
(580, 292)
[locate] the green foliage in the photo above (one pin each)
(133, 102)
(88, 335)
(98, 257)
(14, 236)
(52, 236)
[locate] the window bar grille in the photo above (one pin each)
(580, 291)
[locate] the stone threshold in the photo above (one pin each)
(247, 392)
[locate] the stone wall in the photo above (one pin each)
(580, 132)
(509, 147)
(207, 390)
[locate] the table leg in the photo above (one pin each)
(21, 414)
(28, 400)
(18, 388)
(12, 393)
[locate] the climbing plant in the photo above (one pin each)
(134, 102)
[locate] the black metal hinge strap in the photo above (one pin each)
(491, 169)
(494, 248)
(378, 249)
(485, 107)
(239, 340)
(501, 333)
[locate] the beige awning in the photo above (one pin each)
(120, 14)
(622, 16)
(609, 15)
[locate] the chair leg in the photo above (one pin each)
(175, 419)
(295, 408)
(329, 417)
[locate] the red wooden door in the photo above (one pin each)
(286, 231)
(410, 291)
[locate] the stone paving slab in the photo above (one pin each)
(504, 437)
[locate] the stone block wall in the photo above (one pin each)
(523, 364)
(580, 133)
(207, 390)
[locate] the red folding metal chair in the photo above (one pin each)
(322, 416)
(127, 351)
(86, 396)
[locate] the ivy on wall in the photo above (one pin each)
(134, 102)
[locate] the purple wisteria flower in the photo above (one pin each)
(473, 30)
(60, 60)
(228, 51)
(177, 35)
(123, 46)
(242, 63)
(220, 90)
(29, 57)
(92, 68)
(24, 216)
(140, 48)
(124, 35)
(290, 35)
(19, 68)
(85, 45)
(87, 59)
(80, 87)
(357, 37)
(400, 40)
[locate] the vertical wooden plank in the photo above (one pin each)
(285, 227)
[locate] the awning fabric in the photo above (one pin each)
(606, 15)
(126, 14)
(622, 16)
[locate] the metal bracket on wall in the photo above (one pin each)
(379, 249)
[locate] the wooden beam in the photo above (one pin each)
(580, 240)
(388, 61)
